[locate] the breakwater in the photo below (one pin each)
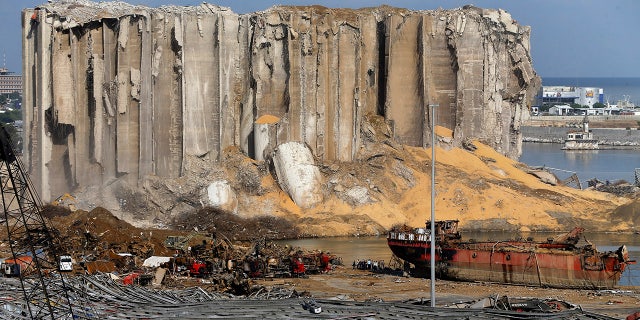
(611, 137)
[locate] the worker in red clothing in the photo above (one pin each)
(633, 316)
(324, 262)
(298, 266)
(34, 21)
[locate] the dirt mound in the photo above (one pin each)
(212, 220)
(99, 233)
(629, 212)
(476, 185)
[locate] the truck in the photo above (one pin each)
(65, 264)
(13, 267)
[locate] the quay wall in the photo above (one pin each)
(606, 136)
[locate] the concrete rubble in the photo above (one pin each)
(122, 95)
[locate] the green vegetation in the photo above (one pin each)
(10, 96)
(11, 116)
(578, 106)
(599, 105)
(15, 138)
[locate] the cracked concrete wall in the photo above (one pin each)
(116, 91)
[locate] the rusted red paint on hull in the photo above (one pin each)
(517, 262)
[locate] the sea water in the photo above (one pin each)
(611, 165)
(603, 165)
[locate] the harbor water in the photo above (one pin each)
(612, 165)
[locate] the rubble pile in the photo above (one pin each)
(214, 220)
(619, 188)
(99, 242)
(96, 234)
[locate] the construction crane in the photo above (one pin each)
(32, 242)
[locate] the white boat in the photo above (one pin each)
(581, 139)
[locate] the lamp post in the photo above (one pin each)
(433, 204)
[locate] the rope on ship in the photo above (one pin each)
(535, 256)
(493, 248)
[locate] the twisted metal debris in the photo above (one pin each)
(110, 299)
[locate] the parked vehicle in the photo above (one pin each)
(66, 263)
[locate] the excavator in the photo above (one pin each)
(34, 246)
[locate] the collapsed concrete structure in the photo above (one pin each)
(121, 92)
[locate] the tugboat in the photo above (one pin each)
(557, 262)
(581, 140)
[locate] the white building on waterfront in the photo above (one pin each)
(561, 110)
(567, 110)
(586, 96)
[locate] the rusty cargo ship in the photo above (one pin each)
(567, 261)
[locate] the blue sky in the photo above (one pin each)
(577, 38)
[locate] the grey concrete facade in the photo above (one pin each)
(115, 91)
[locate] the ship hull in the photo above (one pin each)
(516, 262)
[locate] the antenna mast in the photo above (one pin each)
(4, 62)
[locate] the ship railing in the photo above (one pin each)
(409, 236)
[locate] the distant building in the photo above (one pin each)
(10, 82)
(561, 110)
(586, 96)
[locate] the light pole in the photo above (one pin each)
(432, 243)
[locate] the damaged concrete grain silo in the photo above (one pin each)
(116, 92)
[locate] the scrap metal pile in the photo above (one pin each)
(619, 188)
(101, 297)
(99, 242)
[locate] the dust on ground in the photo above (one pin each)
(361, 285)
